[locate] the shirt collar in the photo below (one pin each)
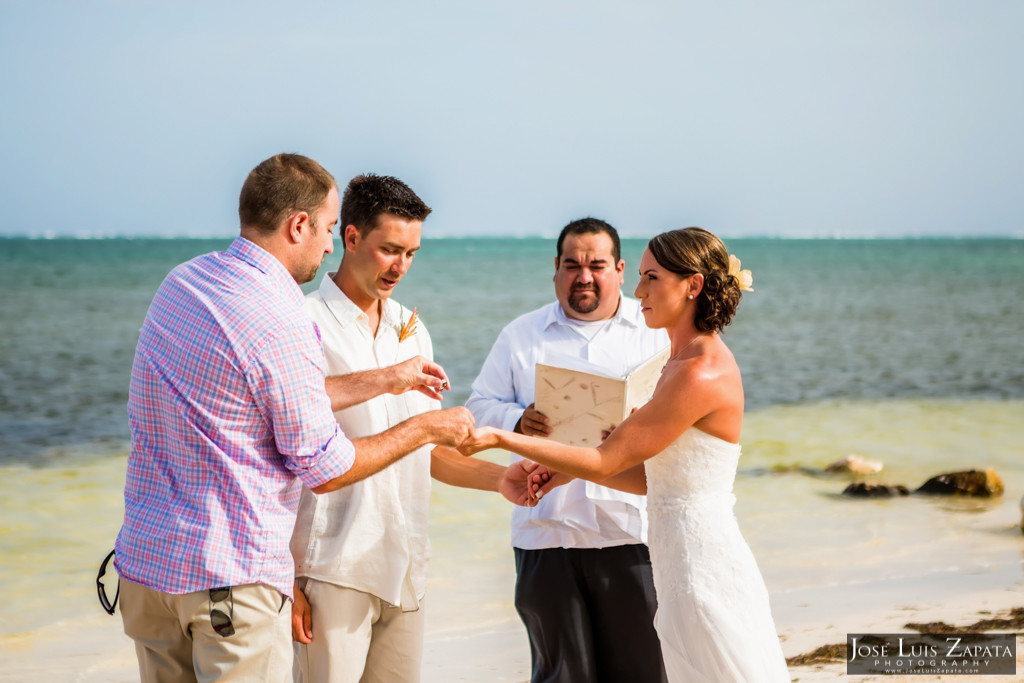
(342, 307)
(346, 311)
(557, 316)
(265, 262)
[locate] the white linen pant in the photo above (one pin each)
(175, 641)
(358, 638)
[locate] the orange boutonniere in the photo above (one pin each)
(408, 328)
(744, 278)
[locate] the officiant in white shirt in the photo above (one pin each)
(584, 586)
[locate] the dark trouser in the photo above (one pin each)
(589, 613)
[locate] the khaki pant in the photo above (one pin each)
(358, 638)
(175, 641)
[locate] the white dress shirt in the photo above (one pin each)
(580, 514)
(371, 535)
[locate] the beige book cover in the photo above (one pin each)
(582, 404)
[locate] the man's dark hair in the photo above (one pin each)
(368, 196)
(280, 186)
(590, 226)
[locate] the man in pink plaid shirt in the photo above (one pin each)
(229, 417)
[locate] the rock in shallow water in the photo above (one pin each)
(854, 464)
(874, 489)
(970, 483)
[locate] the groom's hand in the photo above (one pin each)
(421, 374)
(302, 618)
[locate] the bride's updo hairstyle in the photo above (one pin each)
(695, 250)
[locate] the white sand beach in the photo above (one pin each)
(94, 650)
(832, 565)
(462, 646)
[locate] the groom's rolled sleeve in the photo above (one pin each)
(287, 381)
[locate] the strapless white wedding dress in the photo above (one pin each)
(713, 618)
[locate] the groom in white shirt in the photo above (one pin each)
(584, 586)
(361, 552)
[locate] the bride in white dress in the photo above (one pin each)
(682, 449)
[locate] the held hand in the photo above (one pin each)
(516, 483)
(543, 479)
(451, 426)
(421, 374)
(533, 423)
(480, 440)
(302, 618)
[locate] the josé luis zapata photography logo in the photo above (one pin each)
(931, 654)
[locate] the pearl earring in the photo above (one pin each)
(690, 297)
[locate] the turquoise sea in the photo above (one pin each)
(830, 319)
(904, 351)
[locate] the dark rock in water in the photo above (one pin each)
(873, 489)
(971, 483)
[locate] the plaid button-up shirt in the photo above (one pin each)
(228, 415)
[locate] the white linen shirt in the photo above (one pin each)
(371, 535)
(580, 514)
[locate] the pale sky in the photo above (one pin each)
(850, 119)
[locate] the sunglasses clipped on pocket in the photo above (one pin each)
(108, 605)
(220, 620)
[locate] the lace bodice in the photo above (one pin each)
(696, 464)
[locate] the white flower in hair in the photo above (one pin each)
(744, 277)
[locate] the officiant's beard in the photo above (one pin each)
(581, 304)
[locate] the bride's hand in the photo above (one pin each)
(543, 479)
(517, 485)
(480, 440)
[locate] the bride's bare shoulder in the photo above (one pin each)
(705, 372)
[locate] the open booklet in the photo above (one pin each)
(581, 404)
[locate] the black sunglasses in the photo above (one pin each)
(222, 622)
(101, 589)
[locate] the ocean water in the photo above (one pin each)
(904, 351)
(829, 319)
